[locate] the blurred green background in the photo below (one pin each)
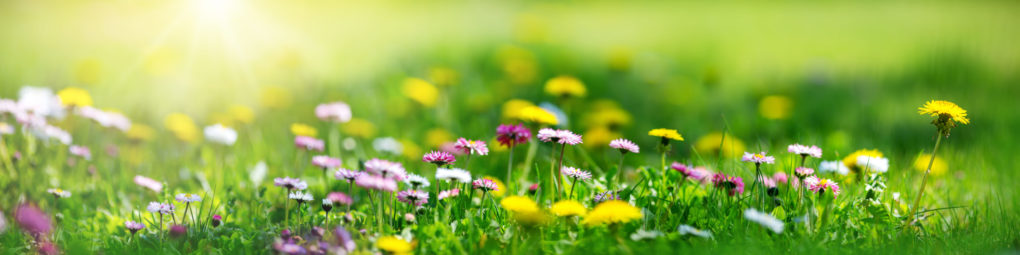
(851, 73)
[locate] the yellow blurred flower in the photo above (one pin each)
(938, 167)
(359, 128)
(518, 64)
(565, 86)
(599, 137)
(443, 76)
(420, 91)
(568, 208)
(775, 107)
(535, 114)
(519, 204)
(182, 127)
(501, 188)
(708, 145)
(436, 137)
(300, 129)
(531, 218)
(140, 132)
(394, 245)
(242, 114)
(72, 96)
(275, 97)
(512, 108)
(88, 71)
(494, 146)
(411, 150)
(851, 160)
(614, 118)
(666, 133)
(610, 212)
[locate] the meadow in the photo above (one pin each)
(548, 135)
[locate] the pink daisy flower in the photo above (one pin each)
(339, 198)
(576, 173)
(803, 172)
(290, 183)
(309, 143)
(81, 151)
(33, 220)
(820, 186)
(624, 146)
(148, 183)
(804, 150)
(348, 175)
(325, 162)
(413, 197)
(376, 182)
(471, 146)
(338, 112)
(512, 135)
(439, 158)
(780, 177)
(485, 185)
(385, 168)
(133, 226)
(448, 193)
(560, 136)
(758, 158)
(733, 185)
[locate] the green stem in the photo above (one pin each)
(924, 181)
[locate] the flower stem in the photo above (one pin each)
(619, 172)
(924, 181)
(572, 185)
(559, 179)
(509, 165)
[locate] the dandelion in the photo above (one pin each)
(148, 183)
(947, 115)
(416, 181)
(393, 245)
(519, 204)
(359, 128)
(309, 143)
(439, 158)
(301, 129)
(568, 208)
(336, 112)
(775, 107)
(850, 161)
(74, 97)
(938, 165)
(133, 227)
(565, 86)
(665, 135)
(182, 126)
(59, 193)
(538, 115)
(420, 91)
(612, 212)
(764, 219)
(413, 197)
(510, 136)
(460, 175)
(140, 132)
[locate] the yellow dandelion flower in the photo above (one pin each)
(531, 218)
(512, 108)
(88, 71)
(599, 137)
(72, 96)
(242, 114)
(666, 134)
(394, 245)
(182, 127)
(140, 132)
(568, 208)
(300, 129)
(519, 204)
(359, 128)
(610, 212)
(565, 86)
(947, 113)
(501, 188)
(535, 114)
(420, 91)
(938, 167)
(275, 97)
(443, 76)
(436, 137)
(708, 145)
(775, 107)
(411, 150)
(613, 118)
(495, 146)
(851, 160)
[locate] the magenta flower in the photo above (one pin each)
(821, 185)
(385, 168)
(803, 172)
(309, 143)
(758, 158)
(178, 230)
(81, 151)
(376, 182)
(700, 174)
(576, 173)
(148, 183)
(684, 170)
(733, 185)
(471, 146)
(448, 193)
(413, 197)
(439, 158)
(33, 220)
(804, 150)
(624, 146)
(290, 183)
(512, 135)
(217, 220)
(338, 112)
(339, 198)
(348, 175)
(325, 162)
(485, 185)
(344, 239)
(133, 226)
(561, 136)
(780, 177)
